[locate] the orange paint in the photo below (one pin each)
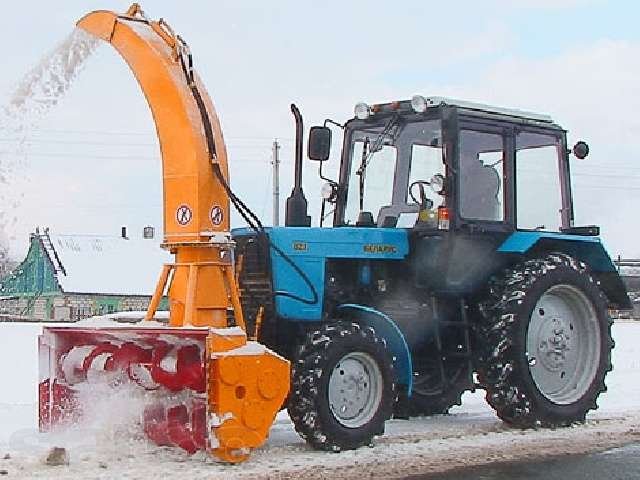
(245, 392)
(191, 191)
(202, 285)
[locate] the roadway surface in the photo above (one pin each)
(616, 464)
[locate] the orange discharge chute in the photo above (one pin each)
(230, 389)
(196, 206)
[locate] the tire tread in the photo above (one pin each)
(498, 366)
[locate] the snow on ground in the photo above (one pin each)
(470, 435)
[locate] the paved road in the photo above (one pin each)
(617, 464)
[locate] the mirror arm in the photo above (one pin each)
(328, 120)
(322, 177)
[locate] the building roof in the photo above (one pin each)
(105, 264)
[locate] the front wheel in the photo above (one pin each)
(546, 343)
(342, 387)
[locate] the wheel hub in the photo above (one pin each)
(563, 344)
(555, 344)
(355, 389)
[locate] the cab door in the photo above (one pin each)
(481, 209)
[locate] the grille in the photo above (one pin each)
(255, 281)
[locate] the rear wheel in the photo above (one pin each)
(546, 343)
(342, 387)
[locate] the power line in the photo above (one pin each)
(74, 142)
(112, 144)
(93, 156)
(146, 134)
(117, 157)
(75, 206)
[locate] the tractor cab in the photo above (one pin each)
(436, 164)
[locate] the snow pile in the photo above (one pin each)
(39, 91)
(250, 348)
(134, 318)
(229, 331)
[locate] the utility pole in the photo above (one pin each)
(276, 182)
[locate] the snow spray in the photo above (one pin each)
(35, 95)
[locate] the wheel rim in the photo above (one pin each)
(355, 389)
(563, 344)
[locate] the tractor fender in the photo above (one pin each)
(387, 329)
(590, 250)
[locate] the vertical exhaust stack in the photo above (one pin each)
(296, 209)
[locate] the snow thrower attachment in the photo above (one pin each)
(204, 386)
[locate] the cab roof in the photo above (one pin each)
(473, 108)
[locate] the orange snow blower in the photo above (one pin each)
(205, 386)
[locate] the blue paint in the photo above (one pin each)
(387, 329)
(520, 242)
(343, 242)
(309, 249)
(586, 248)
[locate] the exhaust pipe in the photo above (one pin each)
(296, 208)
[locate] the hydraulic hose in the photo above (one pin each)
(245, 212)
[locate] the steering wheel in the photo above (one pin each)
(423, 201)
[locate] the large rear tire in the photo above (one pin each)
(546, 342)
(342, 387)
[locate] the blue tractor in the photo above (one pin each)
(453, 263)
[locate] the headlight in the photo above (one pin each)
(437, 183)
(418, 103)
(329, 192)
(362, 111)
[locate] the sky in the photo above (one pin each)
(93, 164)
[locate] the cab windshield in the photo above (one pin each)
(385, 161)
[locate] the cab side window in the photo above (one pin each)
(481, 176)
(538, 193)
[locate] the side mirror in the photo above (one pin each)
(319, 145)
(581, 150)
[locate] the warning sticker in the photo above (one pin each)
(184, 214)
(216, 215)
